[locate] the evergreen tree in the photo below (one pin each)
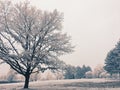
(84, 70)
(112, 61)
(78, 72)
(70, 72)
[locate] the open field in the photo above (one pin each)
(76, 84)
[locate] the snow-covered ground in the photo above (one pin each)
(57, 85)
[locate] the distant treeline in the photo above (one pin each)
(72, 72)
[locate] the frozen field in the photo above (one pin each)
(76, 84)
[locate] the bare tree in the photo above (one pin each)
(31, 40)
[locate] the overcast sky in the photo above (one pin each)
(93, 24)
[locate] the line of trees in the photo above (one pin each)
(72, 72)
(68, 72)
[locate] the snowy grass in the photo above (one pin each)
(75, 84)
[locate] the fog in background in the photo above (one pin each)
(94, 26)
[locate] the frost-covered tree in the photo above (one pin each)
(89, 74)
(30, 39)
(98, 70)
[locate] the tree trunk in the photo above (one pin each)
(111, 75)
(119, 75)
(27, 77)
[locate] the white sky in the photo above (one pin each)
(93, 24)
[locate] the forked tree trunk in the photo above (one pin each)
(27, 77)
